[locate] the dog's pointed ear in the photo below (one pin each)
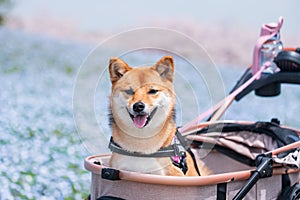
(165, 67)
(117, 68)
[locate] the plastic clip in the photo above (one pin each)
(110, 174)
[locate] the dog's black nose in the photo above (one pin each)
(138, 106)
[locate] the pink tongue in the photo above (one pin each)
(140, 120)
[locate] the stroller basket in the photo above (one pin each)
(131, 185)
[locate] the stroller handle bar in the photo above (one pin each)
(268, 85)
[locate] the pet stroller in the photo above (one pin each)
(249, 160)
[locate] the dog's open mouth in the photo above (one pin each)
(141, 120)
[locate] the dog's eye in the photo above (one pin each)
(129, 91)
(152, 91)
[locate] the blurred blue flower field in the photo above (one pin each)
(41, 156)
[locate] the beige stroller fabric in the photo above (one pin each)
(243, 142)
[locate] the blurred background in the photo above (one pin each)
(226, 29)
(44, 43)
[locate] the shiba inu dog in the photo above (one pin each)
(142, 105)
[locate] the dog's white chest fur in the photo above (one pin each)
(143, 165)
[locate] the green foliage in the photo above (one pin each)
(13, 69)
(5, 5)
(69, 69)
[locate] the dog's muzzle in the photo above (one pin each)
(139, 117)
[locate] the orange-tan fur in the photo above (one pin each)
(131, 85)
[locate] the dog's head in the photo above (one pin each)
(142, 97)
